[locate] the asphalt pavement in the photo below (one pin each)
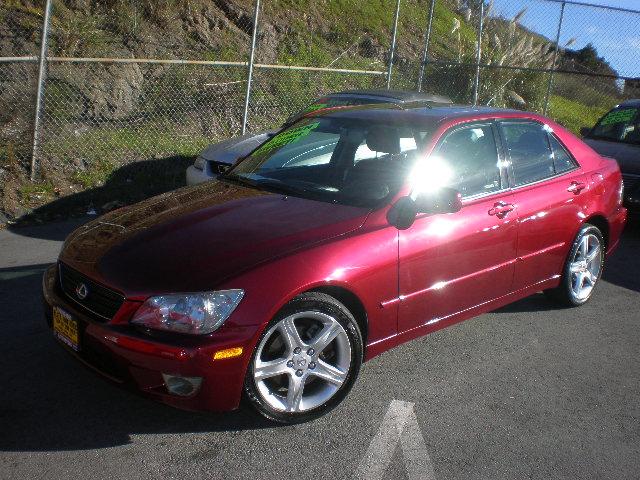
(528, 391)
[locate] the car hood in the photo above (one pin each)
(627, 155)
(194, 238)
(230, 150)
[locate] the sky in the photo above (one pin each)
(616, 35)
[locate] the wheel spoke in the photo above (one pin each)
(290, 333)
(577, 282)
(325, 337)
(591, 256)
(269, 369)
(329, 373)
(575, 267)
(584, 247)
(294, 393)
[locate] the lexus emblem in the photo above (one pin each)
(82, 291)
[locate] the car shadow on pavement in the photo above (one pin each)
(49, 401)
(128, 184)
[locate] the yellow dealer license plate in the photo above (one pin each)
(65, 328)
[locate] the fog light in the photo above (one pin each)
(182, 386)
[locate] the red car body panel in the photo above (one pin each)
(441, 270)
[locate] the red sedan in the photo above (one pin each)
(350, 232)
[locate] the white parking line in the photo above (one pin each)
(399, 425)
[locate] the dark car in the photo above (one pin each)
(218, 157)
(279, 279)
(617, 135)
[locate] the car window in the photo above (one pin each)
(619, 125)
(304, 151)
(407, 145)
(529, 151)
(472, 156)
(562, 161)
(339, 160)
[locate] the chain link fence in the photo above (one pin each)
(117, 88)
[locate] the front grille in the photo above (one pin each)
(100, 301)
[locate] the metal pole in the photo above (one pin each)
(245, 116)
(555, 58)
(425, 53)
(476, 83)
(393, 45)
(42, 77)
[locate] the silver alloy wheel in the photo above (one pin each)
(301, 376)
(585, 266)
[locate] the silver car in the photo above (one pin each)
(218, 157)
(617, 135)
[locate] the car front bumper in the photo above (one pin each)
(137, 362)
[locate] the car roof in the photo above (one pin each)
(397, 96)
(632, 102)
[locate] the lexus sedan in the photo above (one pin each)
(617, 135)
(278, 280)
(218, 157)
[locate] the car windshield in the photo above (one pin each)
(622, 124)
(346, 161)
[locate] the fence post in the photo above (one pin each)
(425, 53)
(245, 115)
(42, 78)
(392, 50)
(555, 59)
(476, 83)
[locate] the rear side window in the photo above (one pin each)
(562, 161)
(529, 151)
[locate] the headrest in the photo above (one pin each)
(383, 139)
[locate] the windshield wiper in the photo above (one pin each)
(278, 186)
(265, 184)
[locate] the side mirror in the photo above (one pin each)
(584, 131)
(403, 213)
(443, 200)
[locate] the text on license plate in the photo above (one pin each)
(65, 328)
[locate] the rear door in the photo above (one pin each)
(453, 262)
(547, 189)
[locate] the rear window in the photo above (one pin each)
(619, 125)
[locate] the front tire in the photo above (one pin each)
(582, 269)
(306, 360)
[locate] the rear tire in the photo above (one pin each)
(306, 360)
(582, 269)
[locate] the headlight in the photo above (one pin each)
(200, 163)
(195, 313)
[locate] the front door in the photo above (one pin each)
(453, 262)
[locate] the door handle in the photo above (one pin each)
(576, 187)
(501, 209)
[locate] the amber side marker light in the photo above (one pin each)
(227, 353)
